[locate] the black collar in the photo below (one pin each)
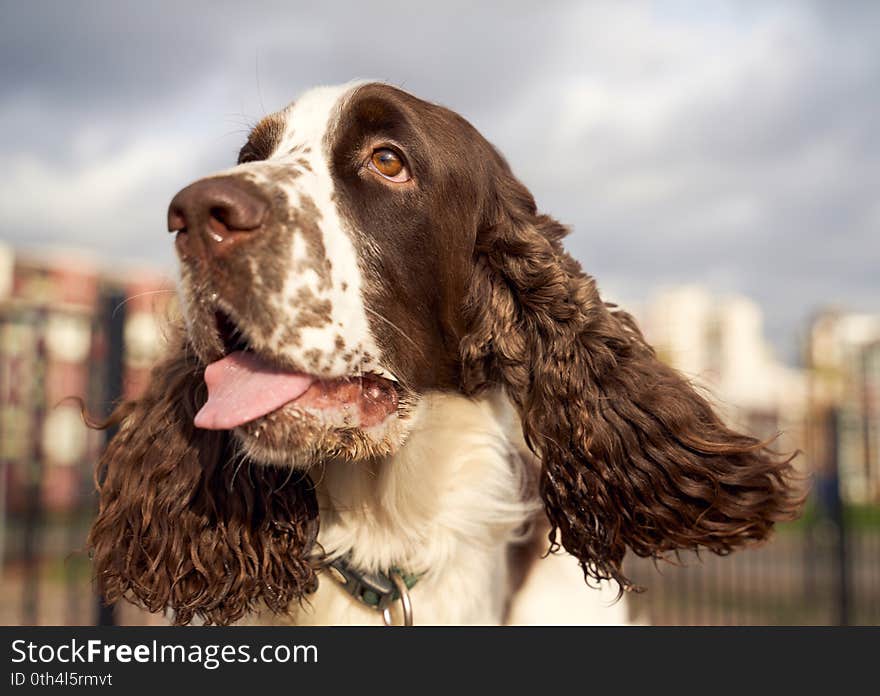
(376, 590)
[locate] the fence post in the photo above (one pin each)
(33, 518)
(834, 507)
(113, 317)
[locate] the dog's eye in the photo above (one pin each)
(389, 164)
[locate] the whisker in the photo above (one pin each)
(397, 328)
(257, 71)
(323, 465)
(290, 471)
(241, 460)
(244, 130)
(140, 294)
(360, 378)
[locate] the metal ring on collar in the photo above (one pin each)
(404, 601)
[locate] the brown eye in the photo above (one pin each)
(389, 164)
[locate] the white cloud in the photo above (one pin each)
(98, 202)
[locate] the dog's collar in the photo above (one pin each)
(375, 590)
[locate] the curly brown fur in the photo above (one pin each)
(632, 456)
(184, 524)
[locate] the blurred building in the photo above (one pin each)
(719, 343)
(844, 357)
(55, 308)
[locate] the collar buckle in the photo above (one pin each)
(375, 590)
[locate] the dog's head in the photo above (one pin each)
(325, 276)
(369, 248)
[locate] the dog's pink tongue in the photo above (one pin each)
(241, 387)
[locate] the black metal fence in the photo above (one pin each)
(801, 577)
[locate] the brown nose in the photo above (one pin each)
(213, 216)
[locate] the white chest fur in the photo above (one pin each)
(445, 506)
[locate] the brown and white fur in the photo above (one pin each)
(468, 387)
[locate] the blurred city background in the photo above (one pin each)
(716, 161)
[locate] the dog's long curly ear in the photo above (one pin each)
(631, 455)
(183, 526)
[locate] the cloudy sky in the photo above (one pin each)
(730, 144)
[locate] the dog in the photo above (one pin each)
(394, 394)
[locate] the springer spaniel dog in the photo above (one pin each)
(390, 379)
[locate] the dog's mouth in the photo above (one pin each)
(231, 336)
(244, 385)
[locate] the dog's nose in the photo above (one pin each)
(213, 216)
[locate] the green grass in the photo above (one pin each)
(863, 517)
(856, 517)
